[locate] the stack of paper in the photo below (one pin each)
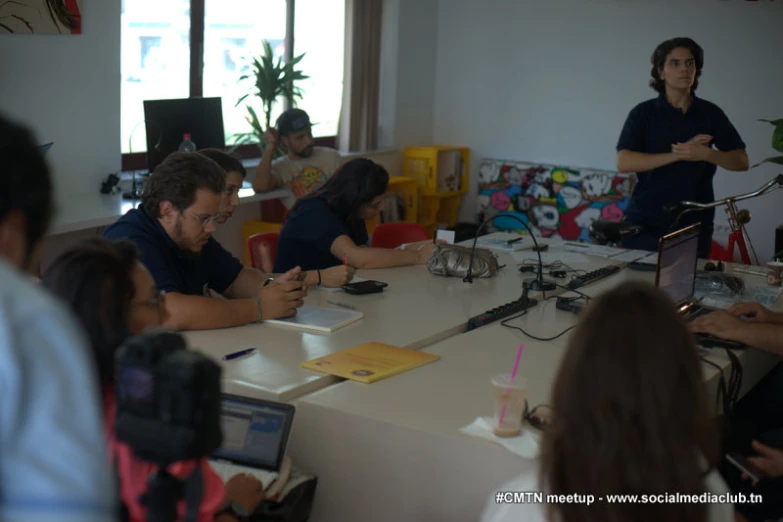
(318, 319)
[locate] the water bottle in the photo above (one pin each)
(187, 145)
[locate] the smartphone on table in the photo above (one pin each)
(365, 287)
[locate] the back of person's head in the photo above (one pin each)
(178, 178)
(95, 278)
(658, 60)
(226, 161)
(630, 414)
(25, 189)
(355, 183)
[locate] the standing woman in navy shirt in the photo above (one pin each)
(327, 227)
(674, 143)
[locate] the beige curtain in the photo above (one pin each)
(358, 128)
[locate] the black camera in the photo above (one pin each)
(168, 398)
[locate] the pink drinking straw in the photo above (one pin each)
(513, 376)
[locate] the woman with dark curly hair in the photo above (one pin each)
(674, 143)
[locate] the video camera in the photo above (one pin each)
(168, 410)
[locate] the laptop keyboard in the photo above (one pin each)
(226, 470)
(698, 312)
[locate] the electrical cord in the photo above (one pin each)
(505, 323)
(554, 265)
(569, 299)
(728, 393)
(721, 397)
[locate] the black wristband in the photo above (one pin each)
(319, 277)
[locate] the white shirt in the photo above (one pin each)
(53, 463)
(304, 175)
(535, 512)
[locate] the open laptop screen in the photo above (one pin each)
(255, 432)
(677, 257)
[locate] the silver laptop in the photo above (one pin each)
(675, 272)
(255, 437)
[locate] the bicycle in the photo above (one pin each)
(603, 232)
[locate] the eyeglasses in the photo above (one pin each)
(539, 417)
(155, 301)
(205, 221)
(674, 63)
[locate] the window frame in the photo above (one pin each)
(138, 160)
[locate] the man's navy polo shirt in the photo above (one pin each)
(173, 269)
(653, 127)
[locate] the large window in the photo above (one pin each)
(163, 39)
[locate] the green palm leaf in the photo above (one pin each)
(270, 79)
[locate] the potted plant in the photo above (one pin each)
(270, 79)
(777, 142)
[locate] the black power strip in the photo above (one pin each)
(592, 277)
(501, 312)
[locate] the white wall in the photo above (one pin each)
(408, 47)
(67, 88)
(553, 81)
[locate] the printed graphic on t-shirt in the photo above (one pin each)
(307, 180)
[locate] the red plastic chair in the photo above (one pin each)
(263, 249)
(392, 235)
(719, 253)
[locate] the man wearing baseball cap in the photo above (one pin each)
(304, 168)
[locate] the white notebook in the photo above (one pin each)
(319, 319)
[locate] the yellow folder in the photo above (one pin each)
(370, 362)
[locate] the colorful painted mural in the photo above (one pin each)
(557, 202)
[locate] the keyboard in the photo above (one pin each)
(708, 341)
(226, 470)
(592, 277)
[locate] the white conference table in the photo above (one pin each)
(392, 448)
(416, 309)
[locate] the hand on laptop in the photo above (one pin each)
(246, 490)
(721, 324)
(755, 312)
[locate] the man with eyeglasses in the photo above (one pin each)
(173, 228)
(674, 143)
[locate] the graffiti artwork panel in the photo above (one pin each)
(557, 202)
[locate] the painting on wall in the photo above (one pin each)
(557, 202)
(41, 16)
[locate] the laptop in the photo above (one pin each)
(675, 274)
(255, 437)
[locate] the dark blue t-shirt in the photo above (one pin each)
(653, 127)
(307, 236)
(173, 269)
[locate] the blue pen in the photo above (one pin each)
(238, 354)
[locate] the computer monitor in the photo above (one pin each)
(678, 253)
(168, 120)
(255, 432)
